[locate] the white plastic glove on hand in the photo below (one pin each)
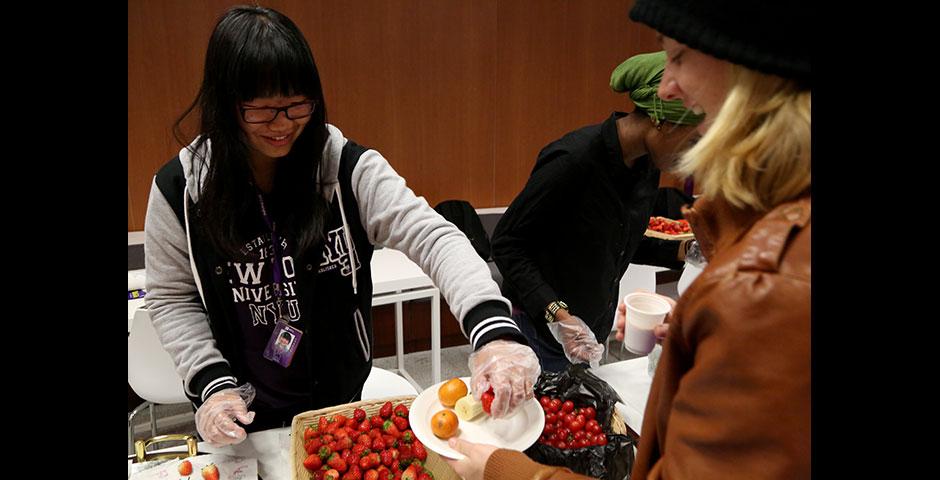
(577, 340)
(510, 368)
(215, 419)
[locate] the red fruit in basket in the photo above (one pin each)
(364, 439)
(407, 436)
(425, 476)
(386, 457)
(384, 473)
(410, 473)
(389, 428)
(419, 451)
(324, 452)
(210, 472)
(344, 443)
(371, 475)
(376, 421)
(313, 462)
(349, 457)
(321, 424)
(340, 420)
(386, 410)
(487, 400)
(331, 474)
(405, 453)
(313, 445)
(364, 426)
(310, 432)
(401, 423)
(185, 468)
(401, 410)
(359, 415)
(337, 462)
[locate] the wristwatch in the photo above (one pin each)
(553, 308)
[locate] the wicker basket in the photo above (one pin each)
(434, 463)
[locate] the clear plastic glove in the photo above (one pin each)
(510, 368)
(577, 340)
(215, 419)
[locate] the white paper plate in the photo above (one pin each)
(517, 432)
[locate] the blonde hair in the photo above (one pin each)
(756, 153)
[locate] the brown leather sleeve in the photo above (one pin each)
(505, 464)
(738, 403)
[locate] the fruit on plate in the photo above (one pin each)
(210, 472)
(185, 468)
(468, 408)
(669, 226)
(451, 391)
(487, 400)
(444, 424)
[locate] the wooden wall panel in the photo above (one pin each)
(459, 96)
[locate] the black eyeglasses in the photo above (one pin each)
(268, 114)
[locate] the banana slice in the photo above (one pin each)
(468, 408)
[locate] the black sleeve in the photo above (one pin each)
(532, 216)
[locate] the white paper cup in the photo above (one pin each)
(644, 312)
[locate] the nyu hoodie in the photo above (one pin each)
(201, 302)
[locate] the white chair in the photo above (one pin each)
(150, 371)
(383, 383)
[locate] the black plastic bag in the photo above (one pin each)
(612, 461)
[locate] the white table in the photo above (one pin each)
(395, 278)
(631, 380)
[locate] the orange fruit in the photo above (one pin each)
(451, 391)
(444, 423)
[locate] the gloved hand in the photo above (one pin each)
(577, 339)
(510, 368)
(215, 419)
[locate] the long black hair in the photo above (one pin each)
(256, 52)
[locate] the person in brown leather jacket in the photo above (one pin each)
(731, 395)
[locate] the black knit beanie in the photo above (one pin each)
(771, 36)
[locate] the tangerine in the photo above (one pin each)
(444, 424)
(451, 391)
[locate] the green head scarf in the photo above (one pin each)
(640, 75)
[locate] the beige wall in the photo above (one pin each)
(459, 95)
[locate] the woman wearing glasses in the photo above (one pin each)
(265, 224)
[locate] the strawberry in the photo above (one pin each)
(313, 445)
(386, 410)
(376, 421)
(371, 475)
(340, 420)
(364, 440)
(313, 462)
(405, 453)
(354, 473)
(401, 410)
(344, 443)
(374, 459)
(378, 444)
(359, 450)
(364, 426)
(318, 475)
(336, 462)
(390, 441)
(349, 457)
(487, 400)
(359, 415)
(185, 468)
(322, 423)
(310, 432)
(407, 436)
(331, 474)
(401, 423)
(386, 457)
(384, 473)
(210, 472)
(410, 473)
(375, 432)
(324, 452)
(389, 428)
(419, 450)
(397, 476)
(425, 475)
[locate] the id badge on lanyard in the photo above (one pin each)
(285, 338)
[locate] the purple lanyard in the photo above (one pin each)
(277, 255)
